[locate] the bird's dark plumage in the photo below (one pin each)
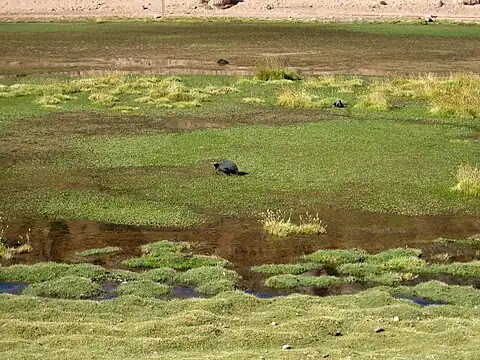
(228, 167)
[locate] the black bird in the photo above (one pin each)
(228, 167)
(338, 104)
(222, 62)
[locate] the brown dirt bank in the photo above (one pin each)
(266, 9)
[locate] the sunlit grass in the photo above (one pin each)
(100, 251)
(278, 224)
(299, 98)
(468, 180)
(274, 69)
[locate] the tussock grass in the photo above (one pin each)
(333, 258)
(279, 269)
(289, 281)
(47, 271)
(375, 99)
(274, 69)
(234, 325)
(439, 291)
(162, 275)
(143, 288)
(66, 287)
(103, 99)
(121, 275)
(167, 254)
(276, 223)
(343, 84)
(100, 251)
(468, 180)
(209, 279)
(253, 100)
(455, 95)
(299, 98)
(470, 242)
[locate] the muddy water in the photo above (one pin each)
(242, 241)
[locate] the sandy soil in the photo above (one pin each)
(272, 9)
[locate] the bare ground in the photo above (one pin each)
(267, 9)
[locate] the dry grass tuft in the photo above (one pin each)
(253, 100)
(278, 224)
(299, 98)
(274, 69)
(468, 178)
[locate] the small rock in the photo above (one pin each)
(144, 7)
(338, 104)
(269, 7)
(379, 330)
(338, 333)
(326, 356)
(382, 2)
(439, 4)
(286, 347)
(396, 319)
(273, 323)
(157, 16)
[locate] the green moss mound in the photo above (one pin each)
(165, 254)
(46, 271)
(67, 287)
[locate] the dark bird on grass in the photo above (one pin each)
(222, 62)
(228, 167)
(338, 104)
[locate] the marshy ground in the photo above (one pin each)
(98, 170)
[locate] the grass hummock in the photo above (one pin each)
(47, 271)
(274, 69)
(289, 281)
(65, 287)
(167, 254)
(100, 251)
(209, 279)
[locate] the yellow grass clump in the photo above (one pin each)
(278, 224)
(468, 178)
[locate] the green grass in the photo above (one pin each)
(209, 279)
(334, 258)
(274, 69)
(165, 254)
(49, 271)
(143, 288)
(469, 242)
(146, 168)
(163, 275)
(66, 287)
(237, 326)
(279, 269)
(438, 291)
(289, 281)
(101, 251)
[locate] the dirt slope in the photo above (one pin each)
(275, 9)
